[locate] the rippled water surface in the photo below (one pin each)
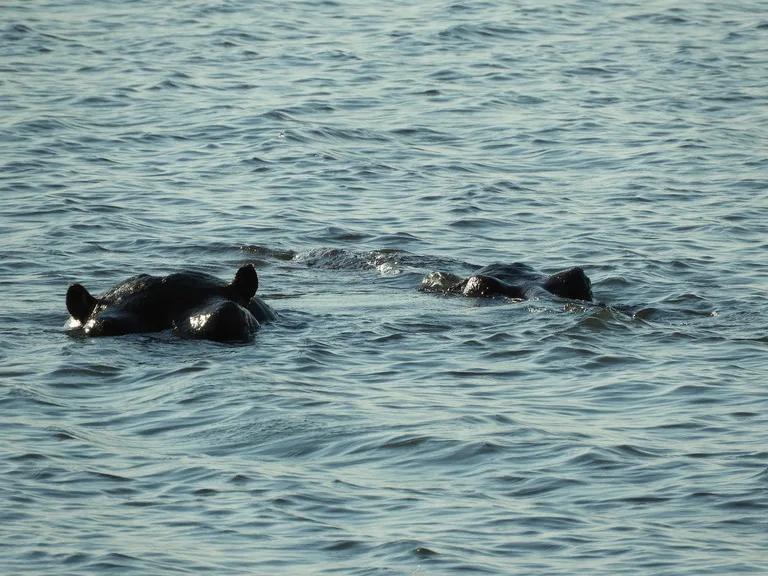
(348, 149)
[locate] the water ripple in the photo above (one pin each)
(347, 152)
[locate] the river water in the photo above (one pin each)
(347, 149)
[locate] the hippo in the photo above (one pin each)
(192, 304)
(518, 281)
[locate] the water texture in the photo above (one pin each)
(348, 149)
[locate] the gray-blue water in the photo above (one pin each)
(348, 148)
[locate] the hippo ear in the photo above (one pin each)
(246, 282)
(572, 283)
(80, 303)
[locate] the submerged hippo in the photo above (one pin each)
(193, 304)
(517, 280)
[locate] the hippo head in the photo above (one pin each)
(195, 304)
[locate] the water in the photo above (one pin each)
(348, 149)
